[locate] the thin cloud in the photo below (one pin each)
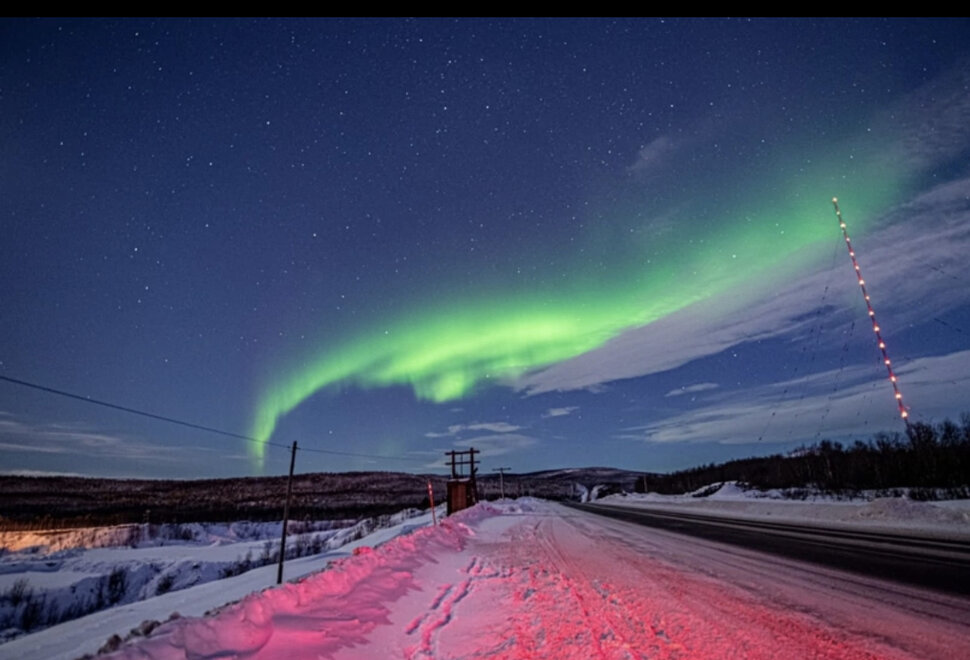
(692, 389)
(934, 120)
(933, 388)
(498, 445)
(37, 449)
(912, 276)
(653, 156)
(39, 473)
(915, 264)
(457, 429)
(560, 412)
(495, 444)
(77, 440)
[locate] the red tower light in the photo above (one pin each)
(872, 315)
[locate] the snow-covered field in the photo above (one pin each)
(532, 579)
(54, 576)
(941, 519)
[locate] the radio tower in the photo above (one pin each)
(872, 317)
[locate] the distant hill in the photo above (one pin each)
(48, 502)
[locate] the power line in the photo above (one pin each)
(944, 273)
(356, 455)
(815, 330)
(135, 411)
(191, 425)
(949, 325)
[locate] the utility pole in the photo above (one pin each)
(472, 472)
(286, 515)
(501, 478)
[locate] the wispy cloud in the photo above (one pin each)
(560, 412)
(55, 438)
(91, 447)
(497, 445)
(933, 121)
(862, 405)
(692, 389)
(31, 448)
(492, 444)
(915, 267)
(457, 429)
(652, 156)
(39, 473)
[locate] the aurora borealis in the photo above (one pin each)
(566, 242)
(443, 354)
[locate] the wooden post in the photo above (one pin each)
(286, 515)
(434, 514)
(501, 479)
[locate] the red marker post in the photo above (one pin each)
(434, 515)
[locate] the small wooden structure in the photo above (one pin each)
(462, 489)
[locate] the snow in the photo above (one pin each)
(145, 535)
(532, 579)
(186, 575)
(944, 519)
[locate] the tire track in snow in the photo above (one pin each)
(442, 609)
(563, 616)
(578, 592)
(719, 560)
(608, 636)
(711, 607)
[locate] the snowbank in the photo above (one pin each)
(944, 519)
(348, 601)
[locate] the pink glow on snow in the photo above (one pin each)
(535, 580)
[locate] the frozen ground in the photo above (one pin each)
(532, 579)
(942, 519)
(65, 574)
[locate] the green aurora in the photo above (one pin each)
(444, 351)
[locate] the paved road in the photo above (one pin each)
(932, 563)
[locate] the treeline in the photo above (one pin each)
(43, 503)
(931, 461)
(40, 503)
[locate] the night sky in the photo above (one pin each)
(562, 242)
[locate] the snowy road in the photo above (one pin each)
(940, 564)
(542, 581)
(601, 588)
